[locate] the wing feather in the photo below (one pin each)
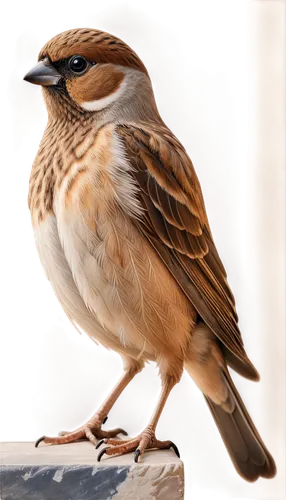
(175, 223)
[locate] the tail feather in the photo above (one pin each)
(243, 367)
(244, 445)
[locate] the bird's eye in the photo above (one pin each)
(78, 64)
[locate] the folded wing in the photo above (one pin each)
(175, 223)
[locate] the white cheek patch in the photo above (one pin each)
(99, 104)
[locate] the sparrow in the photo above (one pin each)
(123, 236)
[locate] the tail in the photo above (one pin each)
(247, 451)
(206, 364)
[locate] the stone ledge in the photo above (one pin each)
(71, 472)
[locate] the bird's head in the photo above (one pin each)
(84, 71)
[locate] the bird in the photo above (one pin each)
(121, 230)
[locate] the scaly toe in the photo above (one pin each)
(164, 445)
(64, 433)
(116, 442)
(88, 431)
(110, 434)
(146, 440)
(121, 447)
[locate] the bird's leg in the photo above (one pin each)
(92, 429)
(147, 438)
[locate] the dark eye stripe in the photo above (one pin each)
(64, 66)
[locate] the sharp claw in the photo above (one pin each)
(39, 441)
(122, 431)
(99, 444)
(137, 453)
(105, 419)
(177, 449)
(101, 453)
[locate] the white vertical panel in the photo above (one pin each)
(266, 236)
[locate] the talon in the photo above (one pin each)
(101, 453)
(99, 444)
(105, 419)
(172, 445)
(39, 441)
(137, 453)
(122, 431)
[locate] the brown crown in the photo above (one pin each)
(94, 45)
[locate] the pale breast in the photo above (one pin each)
(59, 273)
(107, 277)
(120, 278)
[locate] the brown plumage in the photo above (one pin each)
(123, 235)
(92, 44)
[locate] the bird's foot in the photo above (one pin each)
(145, 440)
(91, 431)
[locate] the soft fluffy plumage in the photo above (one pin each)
(122, 233)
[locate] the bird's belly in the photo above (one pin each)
(123, 282)
(118, 276)
(85, 293)
(115, 289)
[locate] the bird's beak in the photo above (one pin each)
(43, 74)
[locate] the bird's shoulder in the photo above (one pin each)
(169, 187)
